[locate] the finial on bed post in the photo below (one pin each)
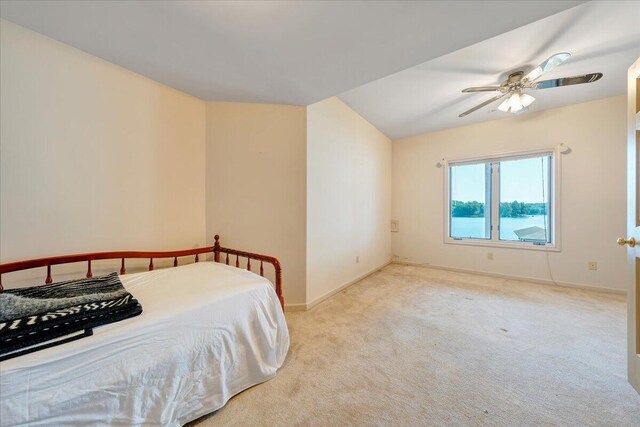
(216, 248)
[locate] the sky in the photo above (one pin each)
(520, 180)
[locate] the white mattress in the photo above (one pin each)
(207, 332)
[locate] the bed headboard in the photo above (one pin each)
(216, 249)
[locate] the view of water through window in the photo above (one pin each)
(469, 196)
(470, 226)
(523, 200)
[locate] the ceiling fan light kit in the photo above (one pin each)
(526, 99)
(517, 101)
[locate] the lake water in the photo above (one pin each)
(474, 227)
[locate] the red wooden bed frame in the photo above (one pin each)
(216, 249)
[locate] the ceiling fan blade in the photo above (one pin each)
(548, 65)
(567, 81)
(482, 89)
(479, 106)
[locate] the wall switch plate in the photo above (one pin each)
(593, 265)
(490, 256)
(395, 225)
(357, 260)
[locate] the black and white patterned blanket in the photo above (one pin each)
(42, 316)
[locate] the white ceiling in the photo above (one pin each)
(293, 52)
(601, 36)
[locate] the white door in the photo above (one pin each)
(632, 240)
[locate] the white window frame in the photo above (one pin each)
(554, 200)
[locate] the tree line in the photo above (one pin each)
(513, 209)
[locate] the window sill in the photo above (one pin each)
(503, 244)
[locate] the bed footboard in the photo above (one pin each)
(88, 257)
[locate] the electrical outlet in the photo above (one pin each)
(490, 256)
(593, 265)
(357, 260)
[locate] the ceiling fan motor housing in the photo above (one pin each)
(513, 82)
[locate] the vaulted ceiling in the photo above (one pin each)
(400, 64)
(272, 51)
(601, 37)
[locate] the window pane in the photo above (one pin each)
(524, 200)
(470, 201)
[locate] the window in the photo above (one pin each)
(505, 200)
(471, 201)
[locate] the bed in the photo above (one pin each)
(208, 331)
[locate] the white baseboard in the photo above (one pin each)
(516, 277)
(294, 307)
(331, 293)
(321, 298)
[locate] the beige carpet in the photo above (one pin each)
(412, 346)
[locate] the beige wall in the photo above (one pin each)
(348, 197)
(93, 157)
(593, 193)
(256, 184)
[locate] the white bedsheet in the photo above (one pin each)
(207, 332)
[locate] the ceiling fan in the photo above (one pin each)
(517, 82)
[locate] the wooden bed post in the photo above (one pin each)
(216, 248)
(279, 283)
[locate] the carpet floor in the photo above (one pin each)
(413, 346)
